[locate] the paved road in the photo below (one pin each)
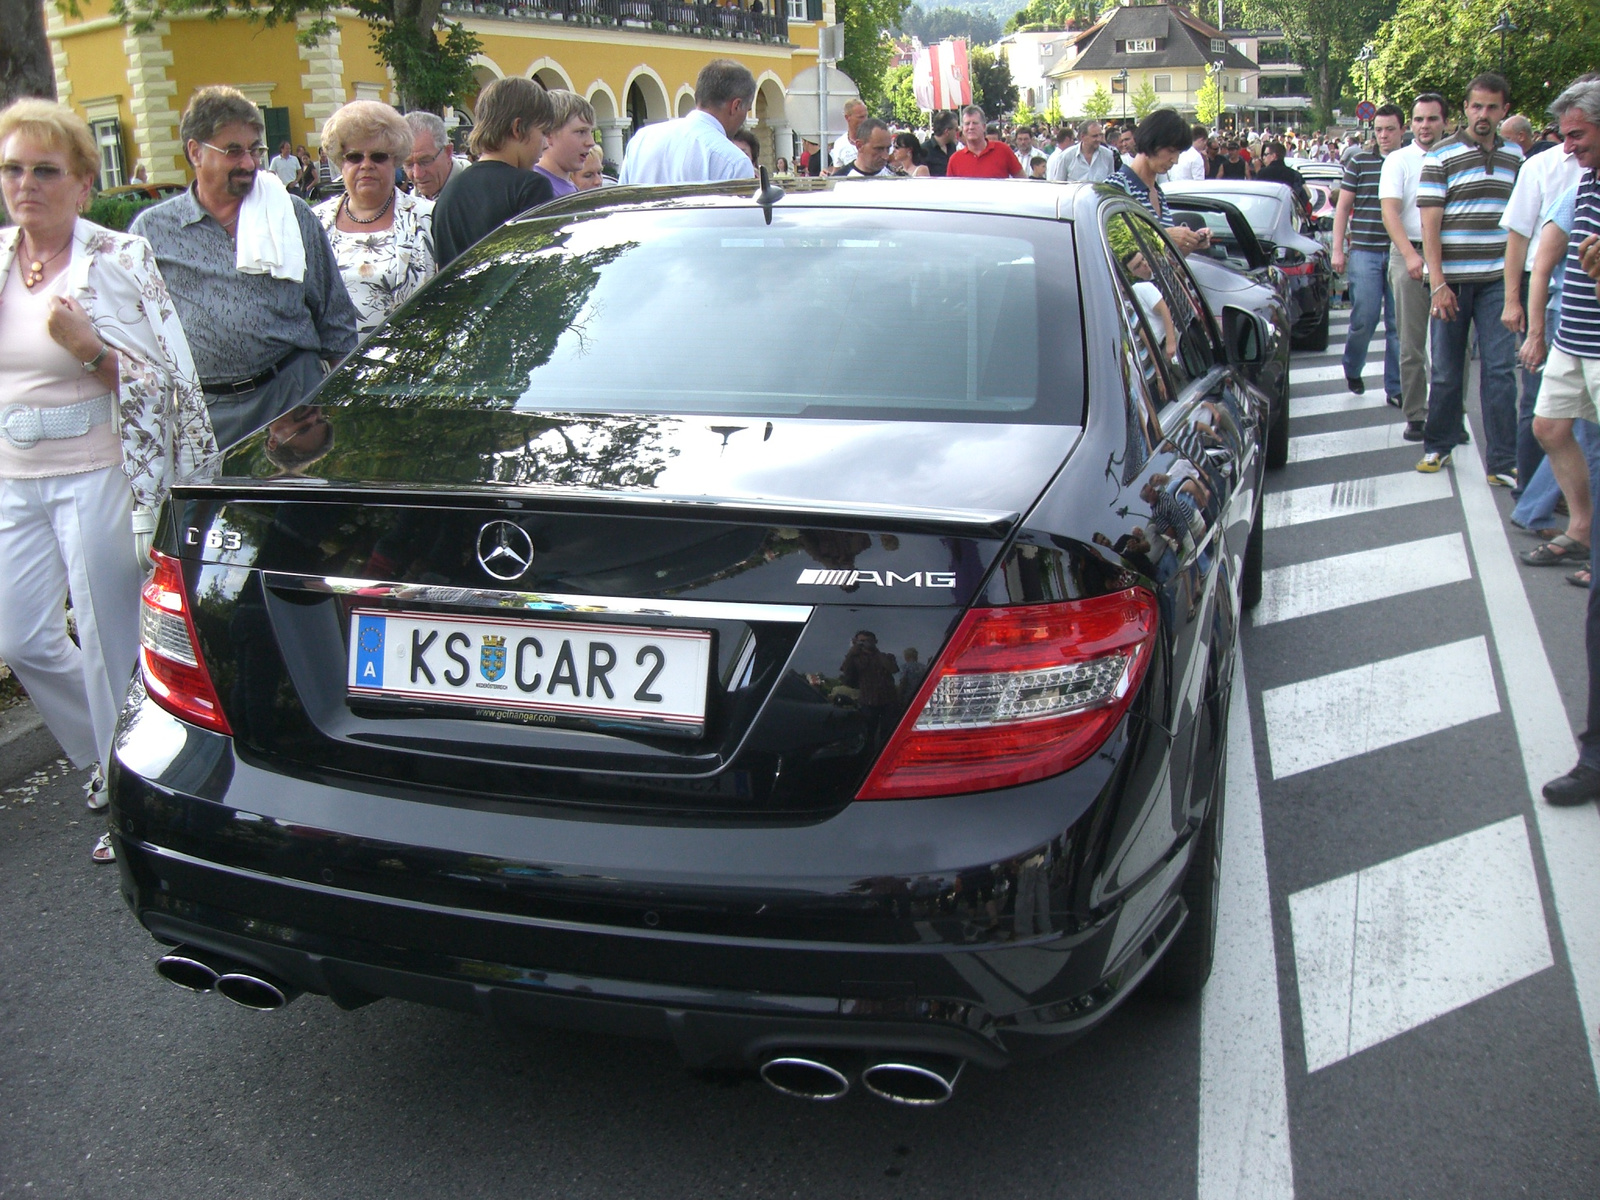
(1395, 1010)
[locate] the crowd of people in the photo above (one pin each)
(127, 360)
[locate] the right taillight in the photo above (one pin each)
(1019, 694)
(169, 653)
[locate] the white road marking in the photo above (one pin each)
(1244, 1107)
(1336, 402)
(1338, 716)
(1569, 837)
(1304, 375)
(1349, 441)
(1345, 579)
(1301, 505)
(1397, 945)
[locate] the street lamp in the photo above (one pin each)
(1365, 59)
(1122, 78)
(1503, 26)
(1222, 92)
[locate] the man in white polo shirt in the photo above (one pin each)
(1397, 197)
(697, 148)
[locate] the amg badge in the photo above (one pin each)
(939, 579)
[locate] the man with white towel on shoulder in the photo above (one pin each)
(250, 271)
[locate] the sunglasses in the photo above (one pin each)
(376, 157)
(42, 172)
(234, 150)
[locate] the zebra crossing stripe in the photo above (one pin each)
(1336, 402)
(1348, 497)
(1304, 375)
(1326, 584)
(1340, 442)
(1338, 716)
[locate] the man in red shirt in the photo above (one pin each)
(978, 157)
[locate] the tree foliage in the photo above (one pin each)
(1208, 100)
(1439, 45)
(430, 72)
(1057, 14)
(1051, 116)
(1098, 106)
(1323, 36)
(936, 24)
(898, 102)
(993, 89)
(1144, 99)
(867, 50)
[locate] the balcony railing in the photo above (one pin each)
(660, 16)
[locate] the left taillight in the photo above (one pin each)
(169, 652)
(1019, 694)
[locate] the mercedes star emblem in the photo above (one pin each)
(505, 550)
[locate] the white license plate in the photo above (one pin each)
(609, 672)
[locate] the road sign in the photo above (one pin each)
(1366, 110)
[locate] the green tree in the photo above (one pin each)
(1144, 99)
(936, 24)
(1056, 14)
(430, 71)
(1208, 100)
(1098, 106)
(1437, 45)
(867, 50)
(899, 103)
(1323, 36)
(1023, 115)
(993, 89)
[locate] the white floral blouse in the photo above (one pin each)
(381, 270)
(166, 432)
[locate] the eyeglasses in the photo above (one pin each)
(42, 172)
(234, 150)
(411, 164)
(376, 157)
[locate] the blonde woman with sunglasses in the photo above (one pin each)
(100, 413)
(382, 237)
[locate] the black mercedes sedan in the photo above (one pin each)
(798, 626)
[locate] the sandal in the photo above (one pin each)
(1579, 578)
(103, 851)
(1559, 549)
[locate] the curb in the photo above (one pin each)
(25, 743)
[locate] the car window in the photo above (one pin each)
(1224, 247)
(1260, 211)
(1152, 336)
(824, 312)
(1187, 349)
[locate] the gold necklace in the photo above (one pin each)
(32, 277)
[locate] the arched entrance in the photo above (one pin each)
(647, 101)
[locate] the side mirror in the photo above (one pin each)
(1242, 332)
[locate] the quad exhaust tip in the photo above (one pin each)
(918, 1082)
(203, 971)
(805, 1078)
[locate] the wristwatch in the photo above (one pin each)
(93, 365)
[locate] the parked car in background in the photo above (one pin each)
(1289, 238)
(564, 662)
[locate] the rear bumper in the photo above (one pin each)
(956, 942)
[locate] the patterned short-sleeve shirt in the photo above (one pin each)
(1472, 185)
(1128, 181)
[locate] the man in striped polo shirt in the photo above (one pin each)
(1570, 390)
(1360, 214)
(1465, 185)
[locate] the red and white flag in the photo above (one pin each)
(939, 77)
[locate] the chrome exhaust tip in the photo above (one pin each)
(805, 1078)
(196, 970)
(258, 991)
(918, 1082)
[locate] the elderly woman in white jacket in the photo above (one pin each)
(100, 412)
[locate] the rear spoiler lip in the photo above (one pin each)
(966, 521)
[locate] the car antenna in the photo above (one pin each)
(769, 195)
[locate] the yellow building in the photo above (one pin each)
(634, 60)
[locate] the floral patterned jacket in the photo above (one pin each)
(166, 433)
(381, 270)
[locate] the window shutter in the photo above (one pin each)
(813, 10)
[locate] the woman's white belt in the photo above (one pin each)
(25, 426)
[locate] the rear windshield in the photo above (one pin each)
(1261, 211)
(826, 313)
